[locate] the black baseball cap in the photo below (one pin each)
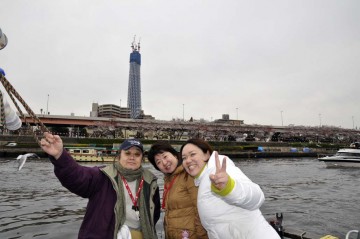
(131, 143)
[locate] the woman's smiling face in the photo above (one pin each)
(194, 159)
(166, 162)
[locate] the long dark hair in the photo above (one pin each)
(200, 143)
(159, 148)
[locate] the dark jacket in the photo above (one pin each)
(100, 187)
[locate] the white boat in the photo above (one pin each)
(98, 154)
(92, 154)
(347, 157)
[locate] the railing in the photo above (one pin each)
(356, 232)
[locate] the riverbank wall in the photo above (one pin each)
(11, 146)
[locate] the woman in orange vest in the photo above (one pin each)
(179, 199)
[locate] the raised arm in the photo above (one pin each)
(52, 145)
(233, 185)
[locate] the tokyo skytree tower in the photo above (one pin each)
(134, 90)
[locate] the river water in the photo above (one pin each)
(312, 198)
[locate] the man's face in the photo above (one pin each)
(131, 158)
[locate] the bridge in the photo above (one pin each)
(177, 129)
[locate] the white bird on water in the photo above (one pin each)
(23, 157)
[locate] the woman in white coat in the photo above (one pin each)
(228, 201)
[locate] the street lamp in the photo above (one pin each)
(183, 112)
(282, 122)
(47, 105)
(353, 122)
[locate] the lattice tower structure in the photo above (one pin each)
(134, 89)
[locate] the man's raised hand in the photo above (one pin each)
(52, 145)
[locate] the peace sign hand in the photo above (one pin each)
(220, 178)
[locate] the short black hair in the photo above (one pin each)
(161, 147)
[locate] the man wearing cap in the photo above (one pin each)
(123, 196)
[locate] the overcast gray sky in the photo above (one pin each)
(249, 59)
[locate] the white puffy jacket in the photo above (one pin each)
(236, 215)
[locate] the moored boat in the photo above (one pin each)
(292, 233)
(347, 157)
(92, 154)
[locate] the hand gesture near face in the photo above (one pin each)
(220, 178)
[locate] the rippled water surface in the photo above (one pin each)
(313, 198)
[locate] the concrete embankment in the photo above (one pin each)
(275, 153)
(280, 152)
(14, 152)
(271, 154)
(11, 146)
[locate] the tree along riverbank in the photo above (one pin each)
(15, 145)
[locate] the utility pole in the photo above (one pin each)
(183, 112)
(47, 105)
